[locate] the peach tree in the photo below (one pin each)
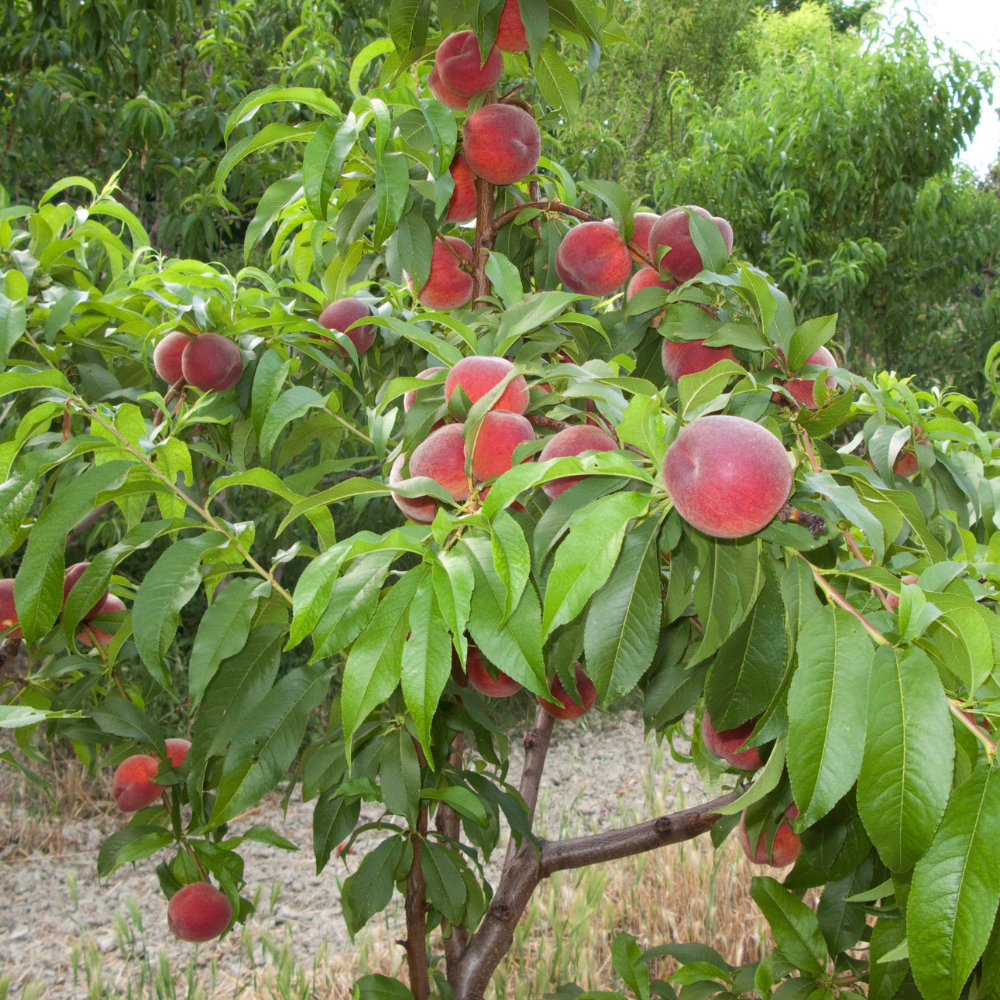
(318, 514)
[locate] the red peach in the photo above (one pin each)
(73, 574)
(785, 848)
(132, 785)
(727, 476)
(443, 94)
(687, 357)
(570, 709)
(8, 612)
(410, 396)
(907, 465)
(177, 750)
(212, 363)
(341, 314)
(478, 375)
(198, 912)
(502, 143)
(647, 277)
(110, 605)
(673, 229)
(511, 36)
(725, 744)
(642, 224)
(802, 388)
(441, 456)
(461, 68)
(593, 259)
(167, 356)
(449, 285)
(502, 687)
(462, 203)
(419, 509)
(568, 442)
(499, 434)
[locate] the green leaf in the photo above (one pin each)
(956, 887)
(371, 51)
(268, 378)
(166, 588)
(511, 557)
(38, 586)
(708, 241)
(843, 922)
(556, 82)
(623, 622)
(369, 889)
(399, 776)
(23, 381)
(765, 782)
(906, 772)
(702, 387)
(376, 987)
(794, 926)
(850, 505)
(505, 278)
(291, 405)
(334, 817)
(885, 978)
(313, 590)
(827, 710)
(454, 580)
(445, 887)
(222, 633)
(392, 185)
(415, 244)
(461, 800)
(322, 161)
(629, 964)
(813, 334)
(130, 844)
(123, 718)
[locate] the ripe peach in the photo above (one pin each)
(212, 363)
(441, 455)
(477, 375)
(410, 397)
(906, 465)
(593, 259)
(573, 441)
(460, 67)
(502, 143)
(647, 277)
(419, 509)
(479, 678)
(8, 612)
(449, 284)
(802, 388)
(500, 433)
(73, 573)
(727, 476)
(443, 94)
(785, 848)
(511, 36)
(177, 750)
(132, 785)
(690, 356)
(167, 356)
(642, 224)
(198, 912)
(341, 314)
(110, 605)
(726, 743)
(570, 709)
(673, 229)
(462, 203)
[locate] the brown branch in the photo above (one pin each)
(8, 654)
(542, 421)
(416, 917)
(91, 519)
(177, 387)
(520, 878)
(641, 134)
(536, 748)
(449, 824)
(482, 243)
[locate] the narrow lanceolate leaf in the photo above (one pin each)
(454, 580)
(334, 817)
(263, 751)
(130, 844)
(426, 660)
(749, 665)
(511, 557)
(794, 926)
(445, 888)
(38, 587)
(123, 718)
(373, 667)
(623, 623)
(906, 773)
(956, 888)
(587, 555)
(312, 592)
(826, 710)
(399, 776)
(166, 588)
(369, 889)
(222, 633)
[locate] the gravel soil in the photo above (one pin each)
(55, 909)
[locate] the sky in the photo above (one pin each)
(970, 27)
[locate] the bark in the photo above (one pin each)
(482, 243)
(416, 917)
(9, 649)
(449, 824)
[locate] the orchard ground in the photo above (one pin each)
(56, 905)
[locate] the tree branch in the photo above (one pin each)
(416, 917)
(8, 654)
(485, 231)
(641, 134)
(91, 519)
(449, 824)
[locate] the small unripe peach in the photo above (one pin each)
(441, 456)
(198, 912)
(511, 36)
(785, 848)
(449, 285)
(593, 259)
(132, 785)
(479, 678)
(84, 637)
(460, 66)
(802, 388)
(647, 277)
(477, 375)
(499, 434)
(907, 465)
(568, 442)
(177, 750)
(8, 612)
(212, 363)
(73, 574)
(642, 224)
(689, 356)
(341, 314)
(570, 709)
(410, 396)
(419, 509)
(443, 94)
(727, 476)
(502, 143)
(725, 744)
(673, 229)
(462, 203)
(167, 356)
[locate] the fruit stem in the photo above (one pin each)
(838, 598)
(853, 546)
(958, 713)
